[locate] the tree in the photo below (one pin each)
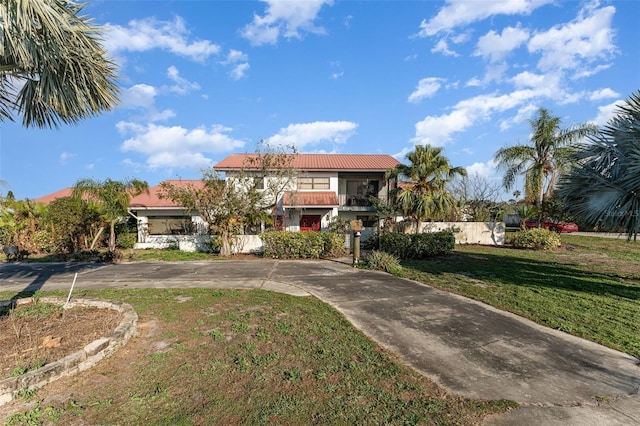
(113, 198)
(70, 223)
(547, 156)
(479, 196)
(52, 67)
(249, 195)
(424, 193)
(604, 189)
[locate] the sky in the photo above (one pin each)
(200, 80)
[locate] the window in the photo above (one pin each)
(313, 183)
(170, 225)
(368, 221)
(259, 182)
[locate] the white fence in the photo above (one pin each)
(485, 233)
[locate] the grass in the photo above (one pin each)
(589, 288)
(251, 357)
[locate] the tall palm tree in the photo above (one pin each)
(113, 197)
(604, 190)
(546, 157)
(425, 195)
(52, 67)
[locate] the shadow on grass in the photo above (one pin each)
(508, 266)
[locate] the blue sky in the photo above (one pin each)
(203, 79)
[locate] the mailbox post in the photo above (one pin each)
(356, 227)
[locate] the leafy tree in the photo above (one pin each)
(71, 223)
(525, 211)
(52, 67)
(547, 156)
(246, 196)
(424, 193)
(604, 189)
(113, 198)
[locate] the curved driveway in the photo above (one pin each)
(467, 347)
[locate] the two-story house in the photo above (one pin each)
(325, 187)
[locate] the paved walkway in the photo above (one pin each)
(467, 347)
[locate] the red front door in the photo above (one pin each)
(310, 223)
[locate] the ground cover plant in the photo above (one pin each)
(207, 356)
(589, 287)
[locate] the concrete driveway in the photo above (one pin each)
(467, 347)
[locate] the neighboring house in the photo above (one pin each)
(326, 187)
(160, 221)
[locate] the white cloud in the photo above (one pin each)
(239, 71)
(438, 130)
(443, 47)
(147, 34)
(238, 60)
(607, 112)
(576, 44)
(426, 88)
(284, 18)
(463, 12)
(138, 96)
(484, 170)
(495, 47)
(523, 114)
(175, 146)
(182, 86)
(598, 95)
(66, 156)
(303, 134)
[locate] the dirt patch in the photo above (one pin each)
(37, 334)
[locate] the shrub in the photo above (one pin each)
(302, 245)
(536, 239)
(382, 261)
(126, 240)
(418, 246)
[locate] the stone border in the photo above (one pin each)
(78, 361)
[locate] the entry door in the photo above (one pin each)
(310, 222)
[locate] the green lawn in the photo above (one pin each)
(590, 287)
(250, 357)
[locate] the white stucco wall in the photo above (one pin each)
(486, 233)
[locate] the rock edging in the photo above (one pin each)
(80, 360)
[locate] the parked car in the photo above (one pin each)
(552, 225)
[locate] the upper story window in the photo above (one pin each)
(313, 183)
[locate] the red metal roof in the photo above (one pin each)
(150, 200)
(153, 200)
(335, 162)
(46, 199)
(310, 199)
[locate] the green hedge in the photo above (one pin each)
(536, 239)
(418, 246)
(302, 245)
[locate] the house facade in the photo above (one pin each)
(162, 223)
(325, 187)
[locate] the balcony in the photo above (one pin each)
(354, 202)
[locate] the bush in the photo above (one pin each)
(536, 239)
(418, 246)
(381, 261)
(302, 245)
(126, 240)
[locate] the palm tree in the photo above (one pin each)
(52, 67)
(113, 197)
(425, 195)
(545, 158)
(604, 190)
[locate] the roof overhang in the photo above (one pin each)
(307, 199)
